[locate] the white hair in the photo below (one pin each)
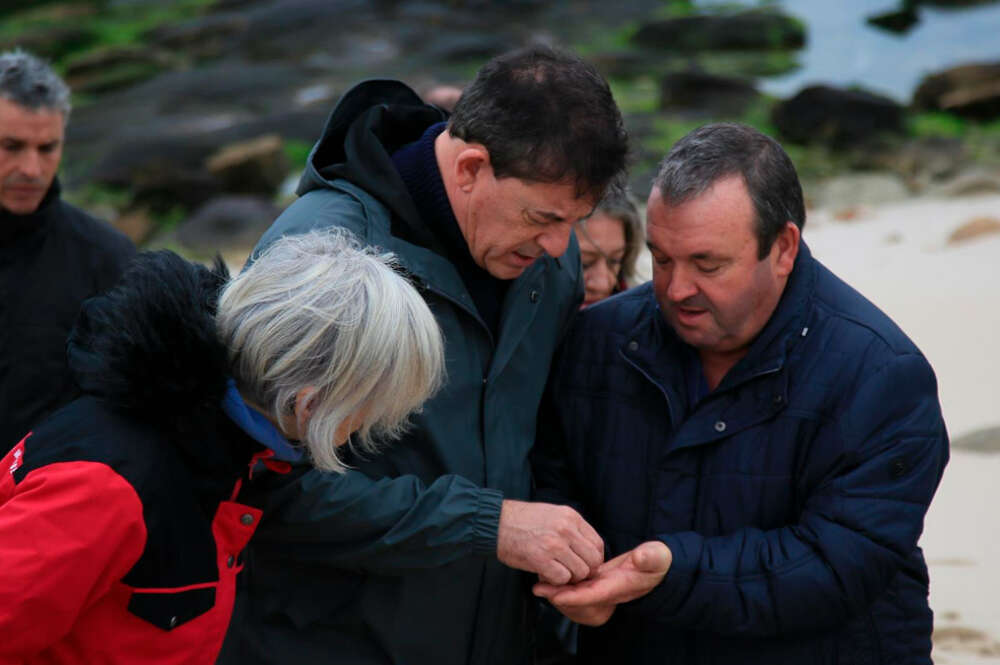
(29, 81)
(319, 310)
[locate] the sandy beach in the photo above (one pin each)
(946, 296)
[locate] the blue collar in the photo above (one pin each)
(257, 426)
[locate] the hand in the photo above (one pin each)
(626, 577)
(553, 541)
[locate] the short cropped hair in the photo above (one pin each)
(544, 116)
(320, 310)
(29, 82)
(720, 150)
(619, 204)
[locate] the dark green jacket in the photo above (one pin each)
(395, 562)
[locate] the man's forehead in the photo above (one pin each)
(557, 200)
(17, 120)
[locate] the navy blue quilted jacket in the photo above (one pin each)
(792, 497)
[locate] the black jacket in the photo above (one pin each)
(50, 261)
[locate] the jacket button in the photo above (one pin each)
(173, 622)
(533, 296)
(230, 561)
(898, 467)
(778, 399)
(246, 519)
(633, 345)
(720, 426)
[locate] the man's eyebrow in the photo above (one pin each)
(551, 216)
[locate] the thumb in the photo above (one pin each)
(652, 557)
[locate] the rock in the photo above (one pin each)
(51, 42)
(227, 221)
(844, 193)
(836, 117)
(255, 166)
(969, 182)
(749, 30)
(928, 159)
(202, 37)
(463, 47)
(895, 21)
(984, 440)
(975, 228)
(115, 67)
(137, 224)
(970, 90)
(161, 170)
(709, 92)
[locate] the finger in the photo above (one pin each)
(546, 590)
(590, 555)
(554, 572)
(652, 557)
(577, 565)
(595, 591)
(611, 564)
(591, 535)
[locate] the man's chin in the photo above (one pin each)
(507, 269)
(21, 206)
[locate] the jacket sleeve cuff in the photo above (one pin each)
(486, 523)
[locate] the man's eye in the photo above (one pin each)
(708, 269)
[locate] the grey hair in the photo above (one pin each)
(713, 152)
(28, 81)
(319, 310)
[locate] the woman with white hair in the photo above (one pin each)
(121, 528)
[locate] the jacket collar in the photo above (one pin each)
(14, 228)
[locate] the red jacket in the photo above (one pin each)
(120, 536)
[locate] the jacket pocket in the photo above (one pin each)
(169, 608)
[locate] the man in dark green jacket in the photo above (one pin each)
(412, 557)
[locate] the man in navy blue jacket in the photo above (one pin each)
(756, 442)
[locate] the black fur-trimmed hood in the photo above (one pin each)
(149, 345)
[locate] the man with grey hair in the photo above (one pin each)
(416, 555)
(757, 443)
(52, 255)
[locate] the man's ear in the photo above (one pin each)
(305, 405)
(786, 248)
(471, 164)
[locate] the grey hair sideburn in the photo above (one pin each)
(28, 81)
(319, 310)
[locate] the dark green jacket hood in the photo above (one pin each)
(394, 115)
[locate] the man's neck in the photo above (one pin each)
(716, 365)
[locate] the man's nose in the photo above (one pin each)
(555, 239)
(30, 164)
(681, 285)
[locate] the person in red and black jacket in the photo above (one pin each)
(120, 523)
